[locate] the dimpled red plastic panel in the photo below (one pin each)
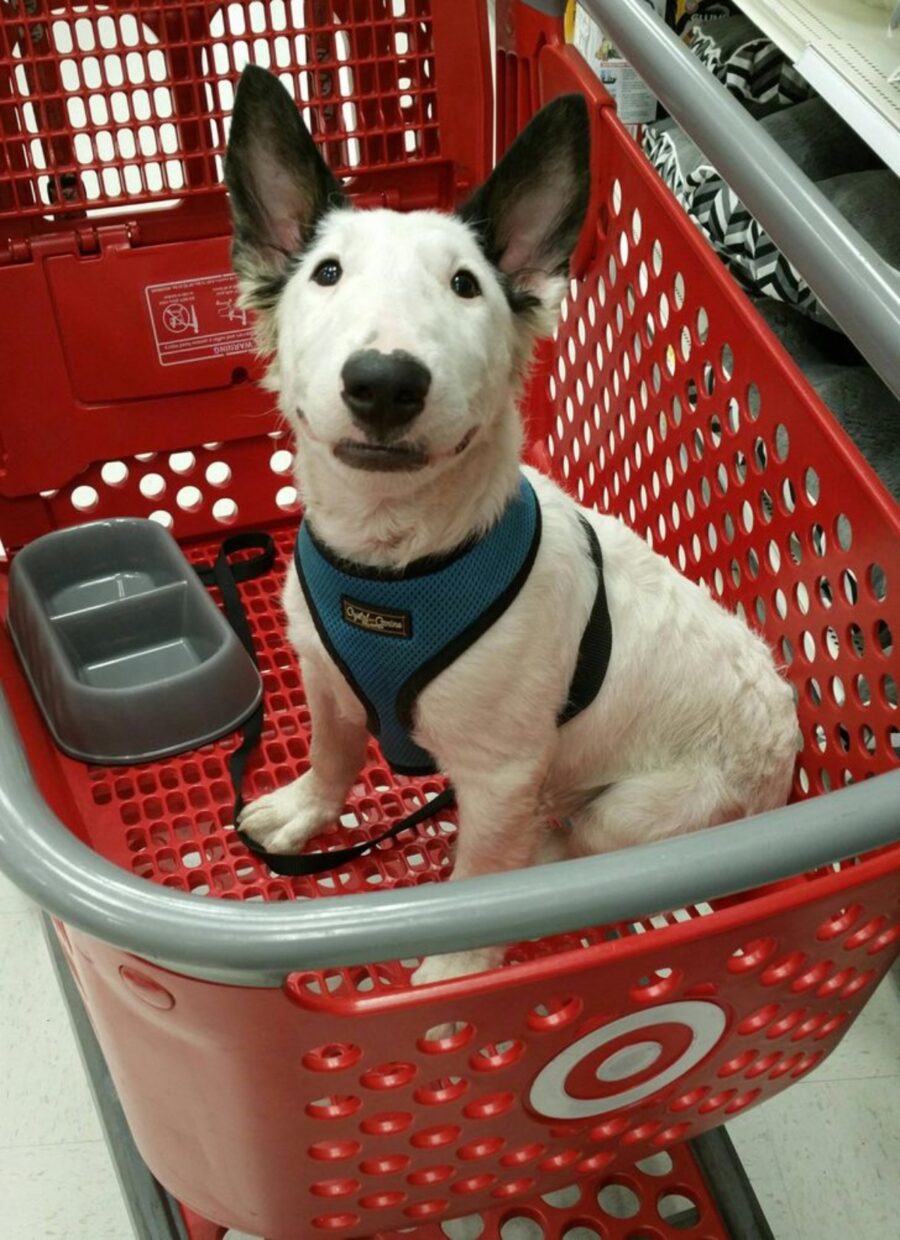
(547, 1078)
(120, 104)
(379, 1108)
(674, 409)
(660, 1197)
(217, 485)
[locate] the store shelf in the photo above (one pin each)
(844, 50)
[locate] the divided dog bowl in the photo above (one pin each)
(128, 656)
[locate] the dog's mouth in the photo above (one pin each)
(386, 457)
(392, 457)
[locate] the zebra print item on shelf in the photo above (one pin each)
(757, 70)
(741, 242)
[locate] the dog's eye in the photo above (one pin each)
(465, 285)
(328, 272)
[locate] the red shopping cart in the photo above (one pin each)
(277, 1071)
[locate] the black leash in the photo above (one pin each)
(225, 575)
(293, 866)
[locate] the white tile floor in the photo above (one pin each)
(824, 1157)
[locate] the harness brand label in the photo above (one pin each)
(376, 619)
(198, 320)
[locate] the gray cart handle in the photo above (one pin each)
(860, 290)
(259, 944)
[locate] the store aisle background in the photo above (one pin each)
(823, 1156)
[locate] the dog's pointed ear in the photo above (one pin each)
(279, 186)
(529, 212)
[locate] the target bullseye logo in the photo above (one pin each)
(625, 1061)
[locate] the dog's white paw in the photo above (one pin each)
(456, 964)
(284, 820)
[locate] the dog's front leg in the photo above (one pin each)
(284, 820)
(500, 828)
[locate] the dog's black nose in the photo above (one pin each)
(384, 391)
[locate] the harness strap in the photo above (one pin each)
(590, 669)
(595, 647)
(390, 632)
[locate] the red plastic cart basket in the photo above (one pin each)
(278, 1073)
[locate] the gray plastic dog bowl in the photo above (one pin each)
(128, 656)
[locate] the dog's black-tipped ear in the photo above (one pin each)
(279, 185)
(529, 212)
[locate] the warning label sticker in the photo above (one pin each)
(198, 320)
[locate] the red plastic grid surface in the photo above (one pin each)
(661, 1197)
(126, 103)
(111, 112)
(170, 822)
(674, 408)
(359, 1112)
(223, 485)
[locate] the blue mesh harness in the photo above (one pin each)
(391, 633)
